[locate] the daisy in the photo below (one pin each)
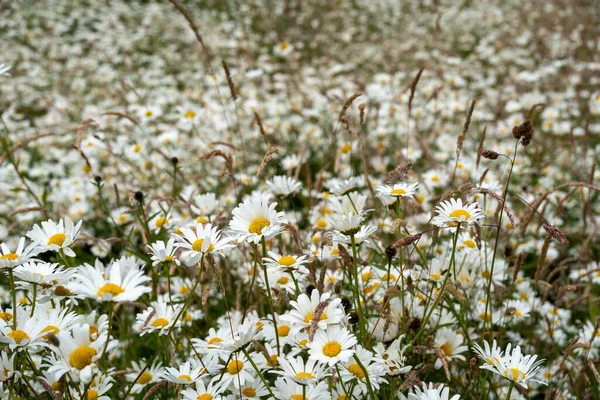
(450, 344)
(452, 212)
(22, 254)
(205, 239)
(341, 188)
(79, 353)
(98, 388)
(287, 262)
(184, 375)
(55, 237)
(348, 224)
(255, 219)
(429, 392)
(7, 366)
(163, 253)
(301, 372)
(283, 185)
(55, 320)
(401, 189)
(205, 204)
(513, 366)
(374, 369)
(361, 236)
(238, 370)
(159, 317)
(27, 332)
(40, 273)
(150, 375)
(305, 308)
(283, 49)
(112, 284)
(286, 389)
(211, 391)
(332, 346)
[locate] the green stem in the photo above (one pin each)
(355, 289)
(13, 292)
(269, 295)
(510, 388)
(364, 370)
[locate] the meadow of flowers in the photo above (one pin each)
(299, 200)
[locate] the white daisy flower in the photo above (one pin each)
(513, 366)
(205, 204)
(287, 262)
(305, 308)
(54, 237)
(150, 375)
(332, 346)
(211, 391)
(429, 392)
(401, 189)
(452, 212)
(304, 373)
(186, 374)
(163, 253)
(450, 344)
(22, 254)
(159, 317)
(255, 219)
(287, 389)
(239, 371)
(204, 239)
(112, 284)
(283, 185)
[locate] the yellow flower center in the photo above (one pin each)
(57, 239)
(321, 223)
(286, 260)
(283, 330)
(189, 115)
(148, 113)
(283, 280)
(347, 148)
(81, 357)
(397, 192)
(435, 178)
(298, 396)
(258, 225)
(93, 333)
(160, 222)
(470, 243)
(144, 378)
(205, 396)
(197, 246)
(111, 289)
(6, 316)
(332, 349)
(460, 213)
(215, 340)
(356, 370)
(273, 361)
(202, 220)
(160, 322)
(249, 392)
(515, 374)
(303, 343)
(311, 315)
(305, 375)
(436, 276)
(235, 367)
(50, 329)
(57, 386)
(186, 377)
(92, 395)
(283, 45)
(9, 256)
(18, 336)
(446, 349)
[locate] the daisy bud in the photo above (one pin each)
(174, 160)
(353, 318)
(98, 178)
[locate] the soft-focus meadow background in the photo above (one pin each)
(120, 114)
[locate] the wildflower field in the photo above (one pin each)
(299, 199)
